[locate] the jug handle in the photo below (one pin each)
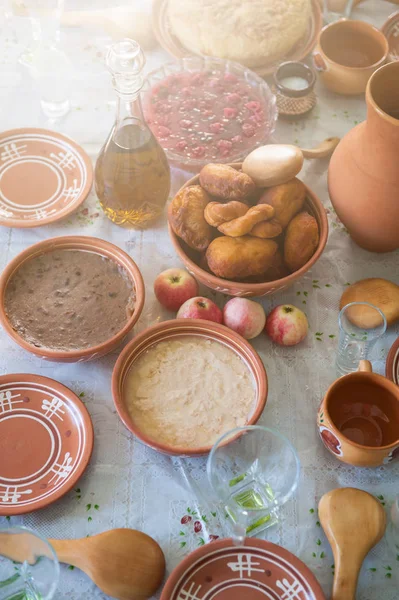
(365, 366)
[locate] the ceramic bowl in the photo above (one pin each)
(177, 328)
(234, 288)
(80, 242)
(392, 364)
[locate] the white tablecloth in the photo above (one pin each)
(128, 485)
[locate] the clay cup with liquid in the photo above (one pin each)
(358, 419)
(347, 54)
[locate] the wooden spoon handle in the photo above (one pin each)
(322, 150)
(345, 580)
(65, 550)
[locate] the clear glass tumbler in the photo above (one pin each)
(29, 568)
(337, 9)
(253, 471)
(393, 527)
(360, 326)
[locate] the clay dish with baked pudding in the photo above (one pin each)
(196, 263)
(160, 424)
(55, 294)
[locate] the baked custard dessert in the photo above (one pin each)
(69, 299)
(187, 391)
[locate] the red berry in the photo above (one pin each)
(253, 106)
(186, 91)
(233, 98)
(185, 123)
(182, 145)
(224, 147)
(197, 527)
(163, 132)
(198, 151)
(229, 112)
(248, 129)
(213, 538)
(216, 127)
(186, 519)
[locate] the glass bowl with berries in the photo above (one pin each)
(205, 109)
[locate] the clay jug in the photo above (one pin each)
(363, 177)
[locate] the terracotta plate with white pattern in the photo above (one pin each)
(44, 176)
(258, 570)
(46, 440)
(392, 364)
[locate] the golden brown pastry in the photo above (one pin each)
(277, 270)
(301, 241)
(267, 229)
(225, 182)
(237, 258)
(287, 200)
(243, 225)
(186, 216)
(217, 213)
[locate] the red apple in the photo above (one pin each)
(173, 287)
(244, 316)
(287, 325)
(200, 308)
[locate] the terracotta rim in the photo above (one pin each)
(392, 364)
(172, 45)
(20, 223)
(364, 26)
(381, 380)
(176, 328)
(317, 210)
(179, 571)
(87, 450)
(79, 242)
(369, 96)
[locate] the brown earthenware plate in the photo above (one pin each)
(392, 364)
(257, 570)
(171, 44)
(391, 31)
(46, 441)
(44, 176)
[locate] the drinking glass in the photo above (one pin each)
(393, 527)
(29, 568)
(355, 341)
(337, 9)
(48, 64)
(253, 471)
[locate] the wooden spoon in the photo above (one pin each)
(354, 522)
(124, 563)
(380, 293)
(324, 149)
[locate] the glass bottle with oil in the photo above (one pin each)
(132, 176)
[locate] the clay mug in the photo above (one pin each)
(358, 418)
(347, 54)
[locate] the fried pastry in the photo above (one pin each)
(287, 200)
(186, 216)
(277, 270)
(237, 258)
(243, 225)
(217, 213)
(267, 229)
(301, 241)
(226, 183)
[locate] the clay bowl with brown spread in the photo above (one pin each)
(177, 328)
(79, 243)
(234, 288)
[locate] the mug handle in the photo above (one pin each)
(319, 62)
(365, 366)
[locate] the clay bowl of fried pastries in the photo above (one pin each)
(242, 239)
